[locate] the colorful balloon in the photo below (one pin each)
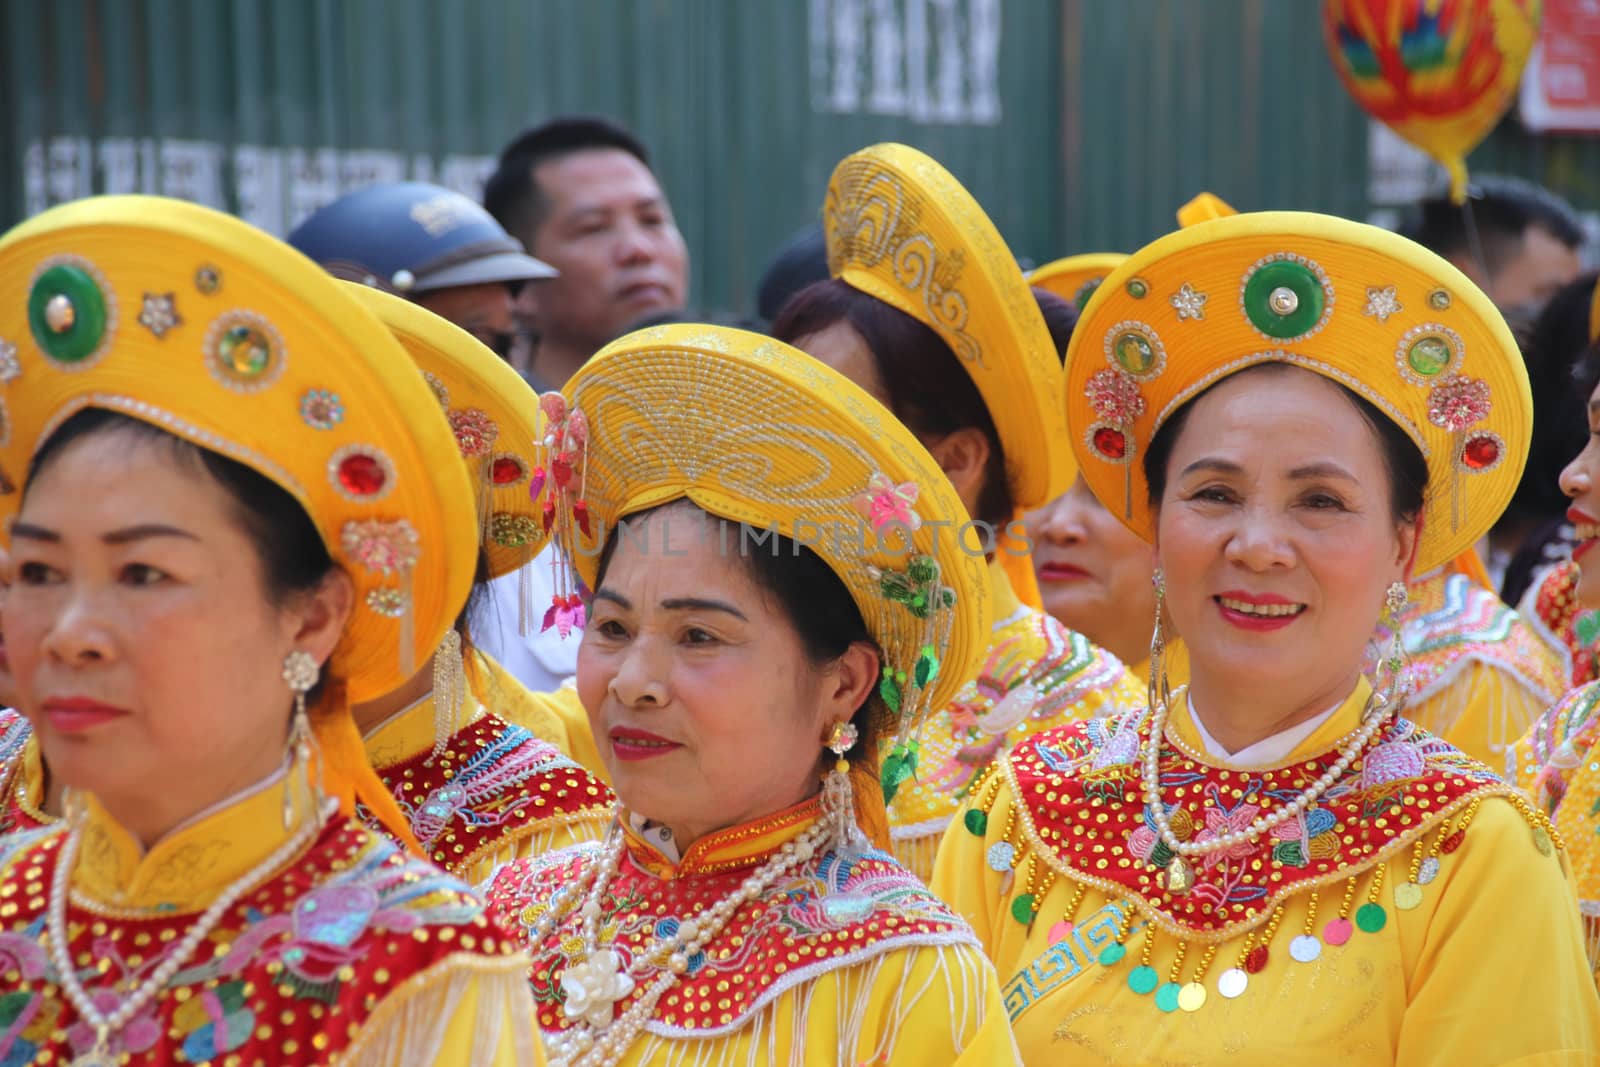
(1439, 73)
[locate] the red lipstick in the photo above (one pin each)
(1258, 612)
(631, 744)
(75, 715)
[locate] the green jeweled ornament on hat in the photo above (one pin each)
(67, 313)
(1284, 299)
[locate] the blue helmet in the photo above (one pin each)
(412, 237)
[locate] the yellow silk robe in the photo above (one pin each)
(498, 791)
(1483, 966)
(1558, 763)
(1037, 674)
(786, 981)
(557, 717)
(421, 978)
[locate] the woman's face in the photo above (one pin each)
(1094, 573)
(145, 650)
(1581, 481)
(706, 708)
(1276, 538)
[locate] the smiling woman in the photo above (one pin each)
(1295, 411)
(210, 557)
(1558, 761)
(752, 645)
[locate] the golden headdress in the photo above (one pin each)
(1361, 306)
(211, 330)
(756, 432)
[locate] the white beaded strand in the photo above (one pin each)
(581, 1045)
(1262, 824)
(106, 1025)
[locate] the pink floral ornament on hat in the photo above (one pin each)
(884, 503)
(565, 445)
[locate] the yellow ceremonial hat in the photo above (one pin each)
(1075, 278)
(899, 227)
(1357, 304)
(491, 409)
(207, 328)
(757, 432)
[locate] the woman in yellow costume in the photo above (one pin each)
(478, 787)
(928, 312)
(1558, 762)
(1565, 612)
(463, 747)
(205, 431)
(1272, 863)
(743, 615)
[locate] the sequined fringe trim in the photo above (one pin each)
(414, 1021)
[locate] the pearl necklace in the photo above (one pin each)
(106, 1025)
(1180, 876)
(596, 1039)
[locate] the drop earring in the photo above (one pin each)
(300, 673)
(838, 795)
(1395, 660)
(1160, 693)
(449, 691)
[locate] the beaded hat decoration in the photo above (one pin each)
(758, 433)
(899, 227)
(197, 323)
(1361, 306)
(1075, 278)
(491, 410)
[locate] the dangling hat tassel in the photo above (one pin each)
(568, 446)
(345, 772)
(449, 692)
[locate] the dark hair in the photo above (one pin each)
(1557, 354)
(512, 195)
(1502, 209)
(929, 390)
(1060, 318)
(293, 557)
(802, 261)
(1403, 460)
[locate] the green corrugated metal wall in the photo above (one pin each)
(1080, 124)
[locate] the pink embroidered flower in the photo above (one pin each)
(1115, 396)
(1457, 402)
(385, 547)
(475, 431)
(1219, 823)
(1392, 761)
(1142, 843)
(884, 503)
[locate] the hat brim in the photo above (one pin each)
(499, 267)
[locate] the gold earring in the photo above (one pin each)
(1159, 691)
(300, 673)
(838, 795)
(1395, 599)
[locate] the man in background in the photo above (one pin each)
(1525, 249)
(580, 194)
(1529, 240)
(430, 245)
